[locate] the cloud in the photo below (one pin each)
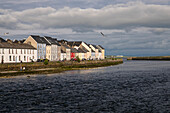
(122, 16)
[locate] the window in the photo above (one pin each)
(32, 57)
(16, 51)
(24, 58)
(2, 51)
(13, 58)
(10, 58)
(12, 51)
(19, 58)
(33, 51)
(27, 51)
(21, 51)
(9, 51)
(24, 51)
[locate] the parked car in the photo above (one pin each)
(38, 60)
(33, 60)
(83, 59)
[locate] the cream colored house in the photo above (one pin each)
(102, 51)
(53, 49)
(94, 48)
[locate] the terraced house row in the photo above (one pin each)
(36, 47)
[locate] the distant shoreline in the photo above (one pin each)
(53, 67)
(159, 58)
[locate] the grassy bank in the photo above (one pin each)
(52, 67)
(160, 58)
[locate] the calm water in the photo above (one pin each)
(132, 87)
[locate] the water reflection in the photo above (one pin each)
(129, 87)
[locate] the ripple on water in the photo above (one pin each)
(129, 87)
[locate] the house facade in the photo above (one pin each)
(39, 43)
(94, 48)
(52, 49)
(102, 51)
(16, 52)
(65, 48)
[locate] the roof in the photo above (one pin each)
(39, 39)
(62, 41)
(65, 46)
(80, 50)
(16, 45)
(62, 51)
(84, 49)
(74, 43)
(92, 50)
(100, 46)
(94, 46)
(51, 40)
(74, 50)
(2, 40)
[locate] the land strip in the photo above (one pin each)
(52, 67)
(161, 58)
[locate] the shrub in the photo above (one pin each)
(46, 61)
(78, 59)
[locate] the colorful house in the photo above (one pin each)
(39, 43)
(102, 51)
(52, 49)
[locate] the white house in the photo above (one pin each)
(63, 55)
(16, 52)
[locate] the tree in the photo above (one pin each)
(78, 59)
(46, 61)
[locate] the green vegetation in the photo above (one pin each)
(52, 67)
(78, 59)
(46, 62)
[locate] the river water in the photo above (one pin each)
(131, 87)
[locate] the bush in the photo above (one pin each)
(78, 59)
(46, 61)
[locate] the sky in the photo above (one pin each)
(130, 27)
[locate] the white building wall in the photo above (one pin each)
(87, 47)
(63, 56)
(93, 55)
(100, 55)
(68, 53)
(53, 52)
(17, 56)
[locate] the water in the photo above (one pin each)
(132, 87)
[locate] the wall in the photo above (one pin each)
(17, 56)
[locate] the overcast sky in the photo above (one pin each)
(130, 27)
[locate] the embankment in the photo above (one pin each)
(52, 67)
